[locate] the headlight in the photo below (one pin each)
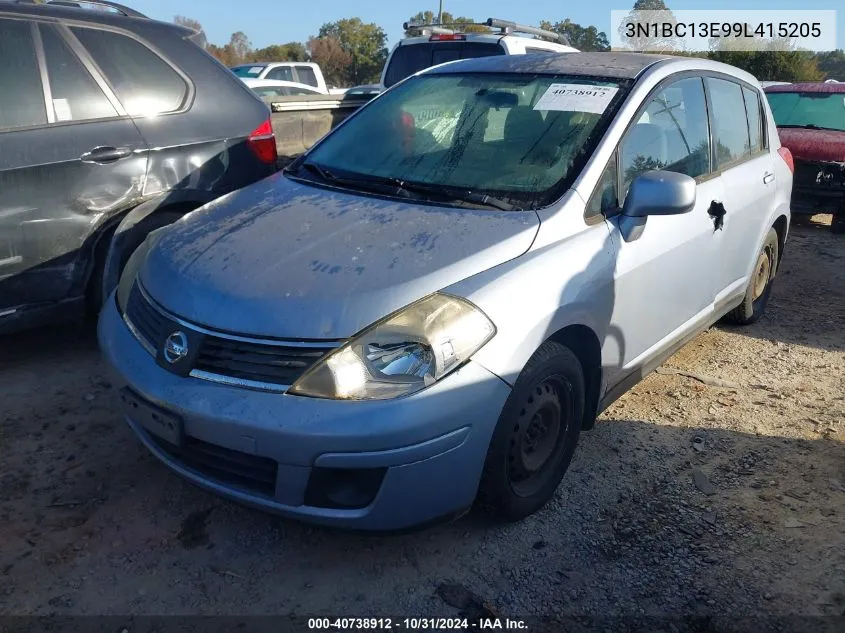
(406, 352)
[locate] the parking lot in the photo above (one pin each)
(716, 486)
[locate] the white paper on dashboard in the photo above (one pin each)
(576, 98)
(62, 109)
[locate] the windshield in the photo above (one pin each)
(518, 138)
(808, 109)
(409, 59)
(250, 70)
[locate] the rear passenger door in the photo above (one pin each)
(69, 161)
(747, 170)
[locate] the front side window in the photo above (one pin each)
(75, 94)
(22, 96)
(605, 197)
(671, 134)
(819, 110)
(143, 82)
(730, 123)
(435, 130)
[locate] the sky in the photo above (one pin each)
(278, 21)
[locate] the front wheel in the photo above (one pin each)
(759, 286)
(535, 436)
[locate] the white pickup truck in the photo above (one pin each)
(431, 44)
(299, 72)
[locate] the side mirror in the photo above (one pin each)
(659, 193)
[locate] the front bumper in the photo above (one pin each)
(429, 447)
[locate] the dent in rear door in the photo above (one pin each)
(52, 196)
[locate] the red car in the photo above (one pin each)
(810, 118)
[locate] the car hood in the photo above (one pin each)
(820, 145)
(284, 259)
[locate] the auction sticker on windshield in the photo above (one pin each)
(576, 98)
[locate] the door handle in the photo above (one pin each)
(768, 177)
(105, 154)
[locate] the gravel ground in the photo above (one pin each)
(687, 498)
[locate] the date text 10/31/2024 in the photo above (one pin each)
(415, 624)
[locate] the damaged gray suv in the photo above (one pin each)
(431, 304)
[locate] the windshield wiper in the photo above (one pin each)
(396, 186)
(365, 184)
(472, 197)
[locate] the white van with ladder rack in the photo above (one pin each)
(429, 45)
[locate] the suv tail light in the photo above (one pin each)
(786, 155)
(262, 142)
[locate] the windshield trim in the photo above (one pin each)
(541, 199)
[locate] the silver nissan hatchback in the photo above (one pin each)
(429, 306)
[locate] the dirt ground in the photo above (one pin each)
(686, 498)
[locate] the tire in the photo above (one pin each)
(760, 285)
(530, 450)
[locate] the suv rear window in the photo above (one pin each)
(808, 109)
(22, 97)
(412, 58)
(144, 83)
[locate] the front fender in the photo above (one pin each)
(132, 230)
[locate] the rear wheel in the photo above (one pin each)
(760, 285)
(536, 435)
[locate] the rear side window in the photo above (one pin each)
(22, 96)
(144, 83)
(755, 120)
(671, 134)
(306, 75)
(730, 125)
(75, 94)
(281, 73)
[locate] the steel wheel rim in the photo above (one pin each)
(762, 272)
(538, 437)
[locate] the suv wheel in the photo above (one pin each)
(760, 285)
(536, 435)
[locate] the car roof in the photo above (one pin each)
(92, 16)
(614, 65)
(816, 87)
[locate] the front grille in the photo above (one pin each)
(253, 364)
(151, 324)
(225, 466)
(257, 362)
